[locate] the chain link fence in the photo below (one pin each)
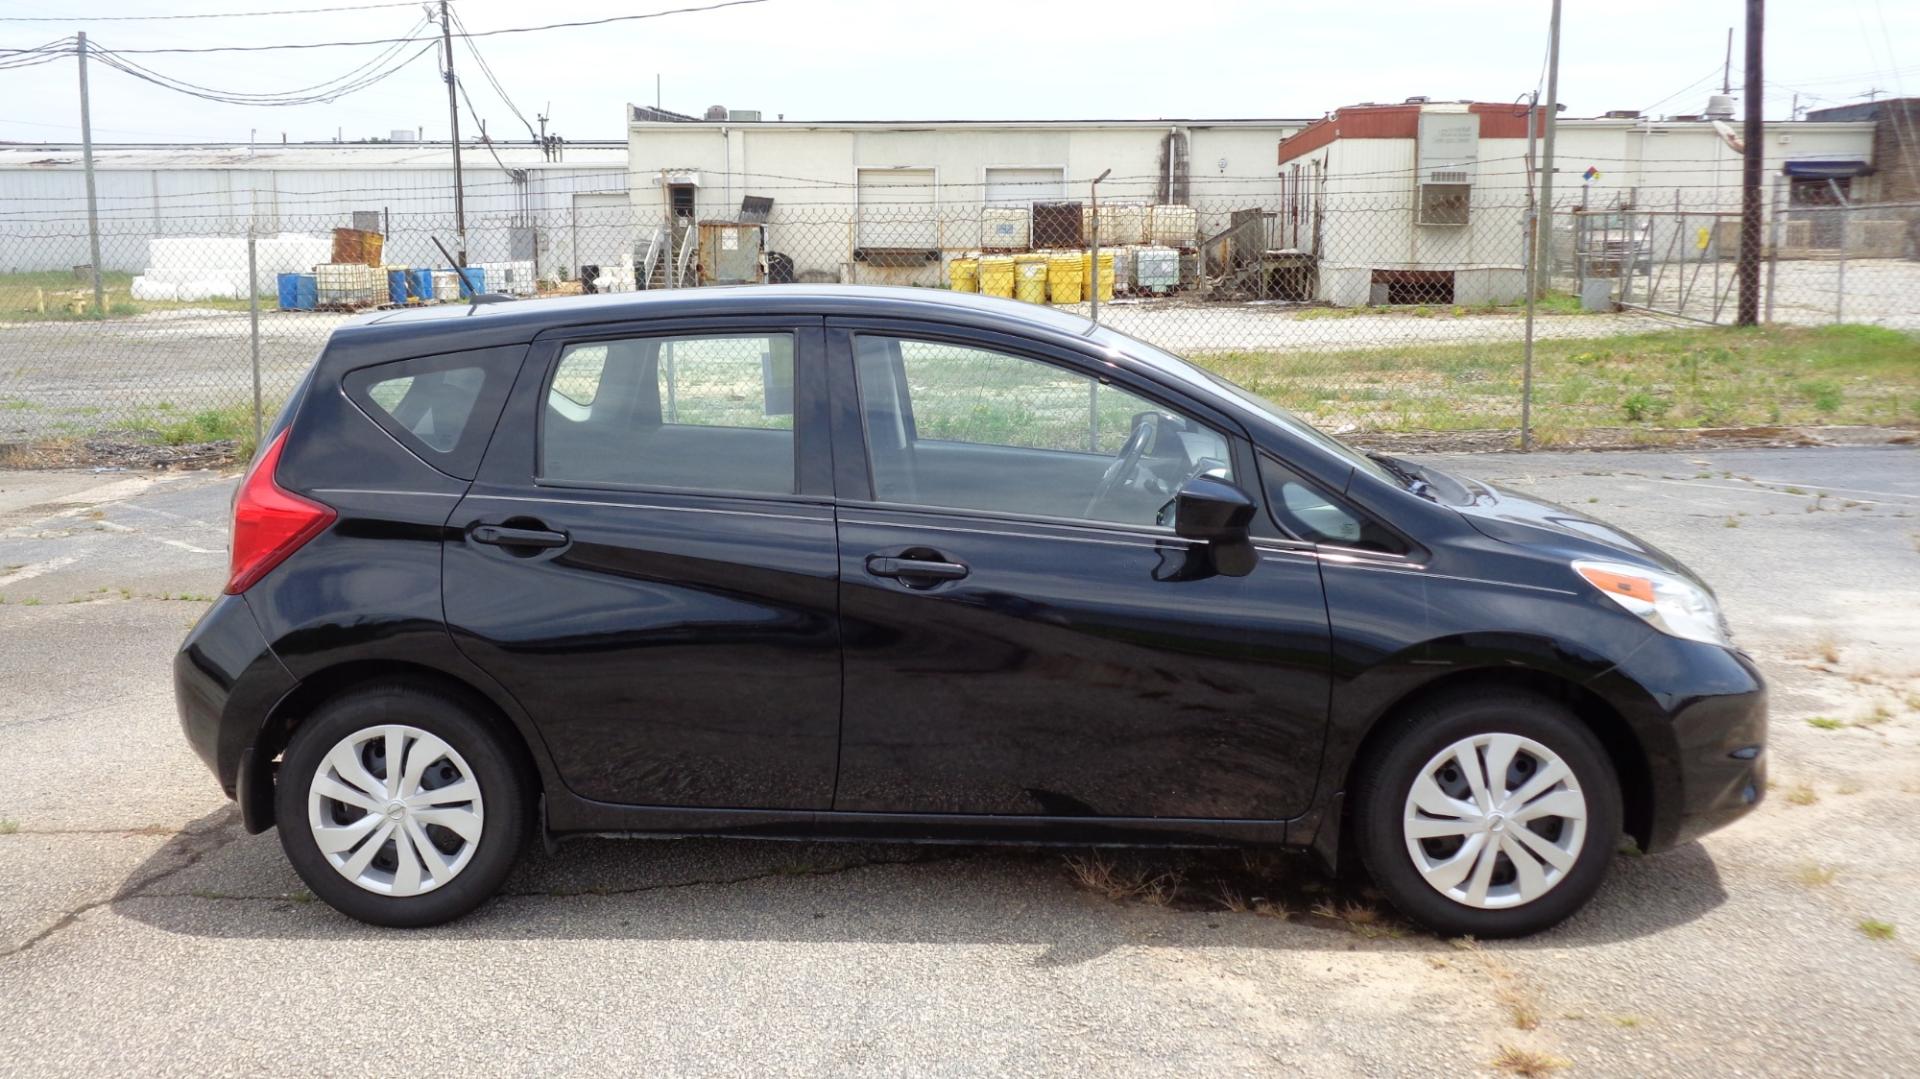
(1379, 317)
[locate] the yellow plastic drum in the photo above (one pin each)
(1106, 272)
(996, 276)
(1065, 275)
(963, 275)
(1030, 278)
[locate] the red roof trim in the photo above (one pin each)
(1498, 120)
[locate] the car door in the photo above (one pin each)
(647, 563)
(1015, 644)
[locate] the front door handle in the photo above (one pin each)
(505, 536)
(916, 572)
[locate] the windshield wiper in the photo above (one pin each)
(1401, 472)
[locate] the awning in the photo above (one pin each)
(1834, 169)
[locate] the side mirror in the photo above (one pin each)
(1216, 512)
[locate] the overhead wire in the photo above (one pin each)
(354, 81)
(487, 70)
(203, 14)
(466, 34)
(11, 59)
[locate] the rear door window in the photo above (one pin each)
(710, 412)
(444, 407)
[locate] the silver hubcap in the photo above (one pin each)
(395, 810)
(1495, 820)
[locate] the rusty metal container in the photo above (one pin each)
(357, 246)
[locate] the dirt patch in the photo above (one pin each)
(110, 452)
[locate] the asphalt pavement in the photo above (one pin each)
(142, 931)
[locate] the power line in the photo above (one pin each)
(380, 68)
(487, 70)
(60, 49)
(203, 15)
(464, 34)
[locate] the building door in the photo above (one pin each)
(897, 209)
(1018, 187)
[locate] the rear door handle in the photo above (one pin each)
(503, 536)
(915, 571)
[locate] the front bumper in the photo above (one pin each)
(226, 681)
(1700, 714)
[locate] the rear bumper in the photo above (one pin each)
(226, 681)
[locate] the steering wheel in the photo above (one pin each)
(1146, 432)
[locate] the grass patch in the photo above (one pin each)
(9, 827)
(1815, 876)
(1825, 723)
(234, 424)
(1101, 876)
(22, 295)
(1683, 378)
(1801, 795)
(1875, 929)
(1528, 1062)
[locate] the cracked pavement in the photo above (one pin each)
(141, 931)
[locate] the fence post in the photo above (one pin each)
(1773, 245)
(1840, 292)
(1844, 210)
(253, 329)
(1526, 368)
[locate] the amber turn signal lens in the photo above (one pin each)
(1619, 583)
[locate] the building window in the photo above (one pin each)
(1444, 204)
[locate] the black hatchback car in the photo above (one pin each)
(906, 565)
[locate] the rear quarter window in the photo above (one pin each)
(443, 408)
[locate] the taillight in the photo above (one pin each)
(269, 522)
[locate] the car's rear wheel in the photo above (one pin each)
(399, 807)
(1488, 813)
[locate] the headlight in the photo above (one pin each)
(1670, 604)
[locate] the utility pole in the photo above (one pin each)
(93, 204)
(1726, 66)
(1543, 245)
(453, 113)
(1748, 268)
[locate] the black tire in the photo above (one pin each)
(504, 825)
(1385, 778)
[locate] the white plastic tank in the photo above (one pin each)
(1175, 226)
(1155, 268)
(1006, 228)
(1121, 222)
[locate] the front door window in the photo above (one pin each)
(960, 427)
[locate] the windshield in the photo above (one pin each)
(1267, 410)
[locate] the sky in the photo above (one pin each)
(935, 60)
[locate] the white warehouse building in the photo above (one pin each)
(1428, 199)
(519, 204)
(841, 190)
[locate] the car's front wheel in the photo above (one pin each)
(399, 807)
(1488, 813)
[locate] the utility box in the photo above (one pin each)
(732, 253)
